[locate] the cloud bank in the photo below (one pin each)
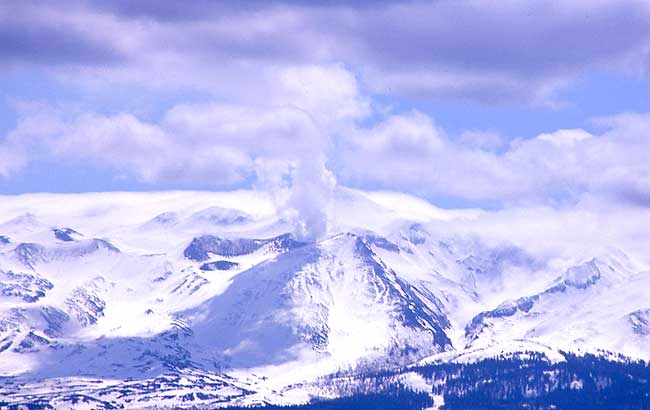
(225, 144)
(516, 51)
(549, 168)
(293, 96)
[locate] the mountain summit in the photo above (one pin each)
(188, 292)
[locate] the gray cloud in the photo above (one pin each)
(51, 45)
(492, 52)
(510, 51)
(519, 37)
(288, 150)
(206, 9)
(44, 35)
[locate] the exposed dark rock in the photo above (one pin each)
(65, 234)
(640, 321)
(200, 248)
(219, 265)
(27, 286)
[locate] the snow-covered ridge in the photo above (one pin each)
(214, 288)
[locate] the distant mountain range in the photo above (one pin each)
(181, 299)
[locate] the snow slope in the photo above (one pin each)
(108, 294)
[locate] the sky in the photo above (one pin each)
(469, 104)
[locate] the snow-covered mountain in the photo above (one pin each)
(186, 298)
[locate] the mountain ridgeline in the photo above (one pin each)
(587, 382)
(195, 306)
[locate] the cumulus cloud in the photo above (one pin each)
(407, 151)
(12, 159)
(125, 143)
(291, 85)
(306, 135)
(281, 143)
(214, 144)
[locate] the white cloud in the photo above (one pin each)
(565, 137)
(12, 160)
(308, 118)
(407, 152)
(286, 83)
(282, 139)
(211, 144)
(593, 227)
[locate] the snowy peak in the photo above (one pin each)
(581, 303)
(188, 288)
(335, 298)
(31, 254)
(202, 247)
(580, 277)
(66, 234)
